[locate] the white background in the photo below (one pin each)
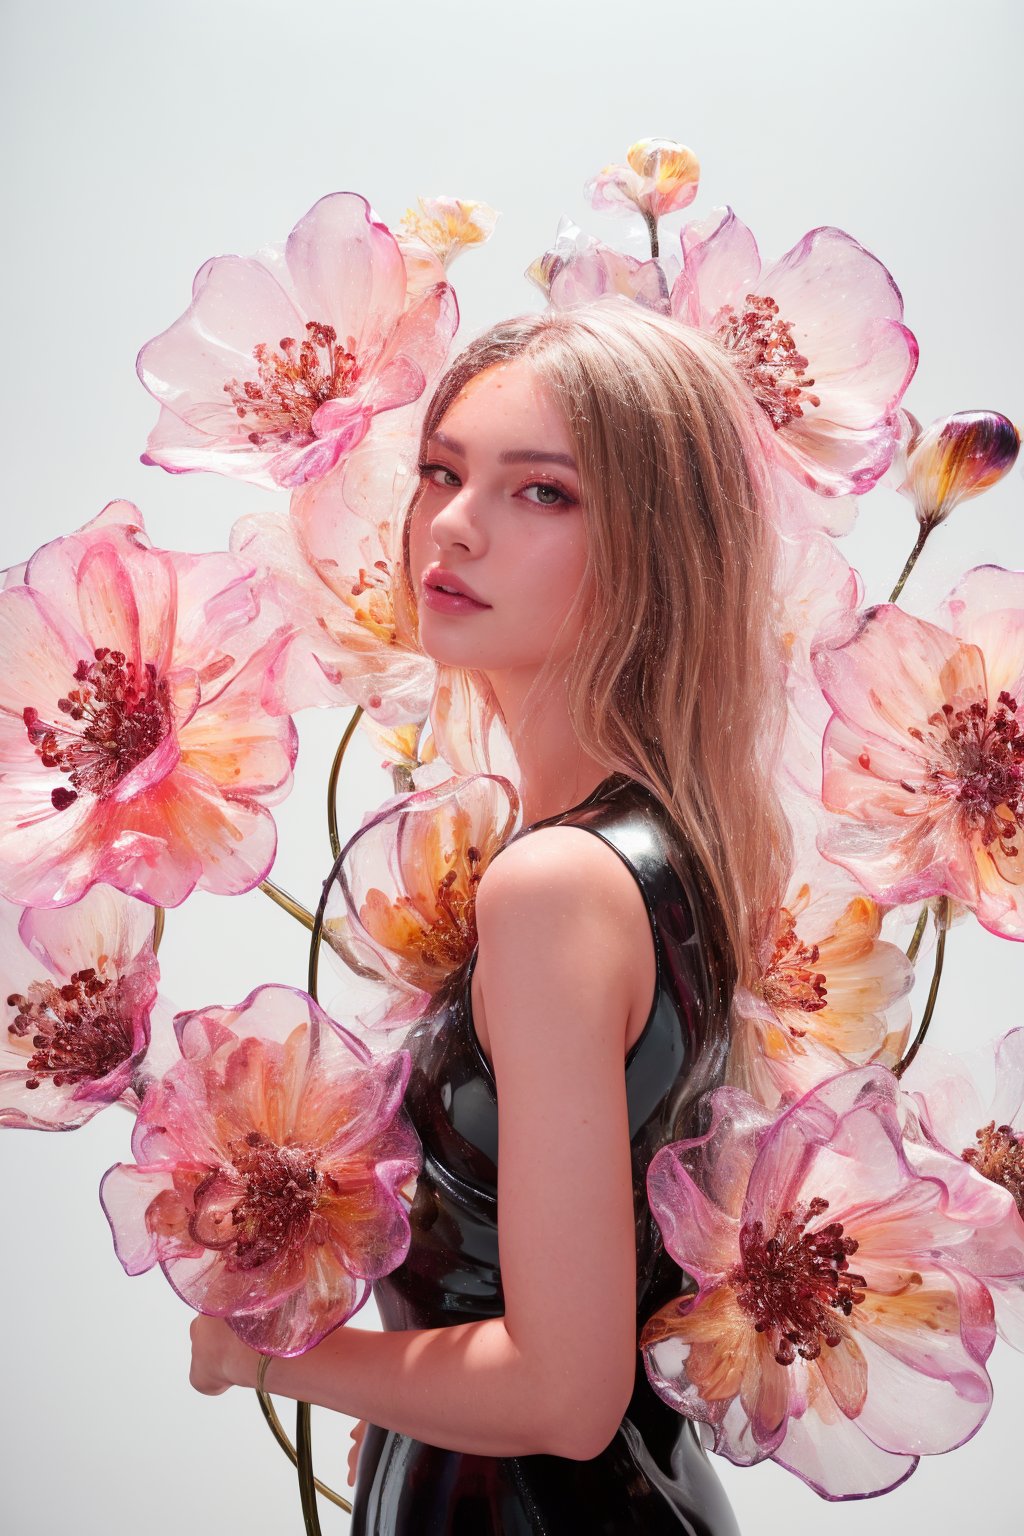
(141, 139)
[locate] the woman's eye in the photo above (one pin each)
(428, 471)
(552, 495)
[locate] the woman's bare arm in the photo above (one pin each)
(559, 920)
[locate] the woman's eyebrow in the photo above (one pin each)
(511, 455)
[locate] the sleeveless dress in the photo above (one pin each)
(654, 1476)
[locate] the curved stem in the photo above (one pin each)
(307, 1483)
(918, 935)
(277, 1430)
(941, 922)
(332, 783)
(288, 903)
(923, 531)
(158, 927)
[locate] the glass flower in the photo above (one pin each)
(923, 754)
(660, 176)
(832, 993)
(133, 748)
(340, 644)
(986, 1133)
(824, 1333)
(402, 904)
(448, 225)
(269, 1162)
(579, 268)
(819, 337)
(957, 457)
(281, 361)
(79, 984)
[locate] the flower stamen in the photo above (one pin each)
(80, 1030)
(293, 384)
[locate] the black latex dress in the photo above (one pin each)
(653, 1477)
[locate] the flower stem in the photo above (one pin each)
(652, 230)
(915, 942)
(158, 927)
(291, 906)
(332, 783)
(277, 1430)
(941, 923)
(922, 535)
(307, 1482)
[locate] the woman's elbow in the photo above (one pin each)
(588, 1426)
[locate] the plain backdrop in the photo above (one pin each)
(140, 140)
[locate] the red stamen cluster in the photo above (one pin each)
(768, 356)
(82, 1030)
(294, 383)
(121, 717)
(979, 761)
(790, 1283)
(790, 980)
(278, 1209)
(999, 1155)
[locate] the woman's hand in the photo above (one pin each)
(219, 1358)
(353, 1456)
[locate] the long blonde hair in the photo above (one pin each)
(678, 679)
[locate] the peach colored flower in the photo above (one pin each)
(448, 225)
(819, 336)
(79, 984)
(825, 1333)
(277, 368)
(269, 1163)
(661, 176)
(401, 905)
(133, 748)
(923, 756)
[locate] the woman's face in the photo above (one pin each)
(499, 512)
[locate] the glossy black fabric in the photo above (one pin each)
(653, 1477)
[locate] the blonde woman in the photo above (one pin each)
(593, 496)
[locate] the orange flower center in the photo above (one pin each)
(766, 352)
(999, 1155)
(81, 1030)
(452, 934)
(281, 1188)
(980, 763)
(293, 384)
(793, 1282)
(790, 980)
(118, 717)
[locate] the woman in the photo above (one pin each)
(595, 479)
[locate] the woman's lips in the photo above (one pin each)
(450, 602)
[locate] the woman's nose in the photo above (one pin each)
(456, 521)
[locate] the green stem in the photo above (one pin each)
(332, 783)
(277, 1430)
(922, 534)
(307, 1482)
(941, 924)
(288, 903)
(915, 942)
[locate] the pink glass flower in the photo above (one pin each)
(924, 757)
(660, 176)
(268, 1168)
(819, 336)
(824, 1333)
(986, 1134)
(448, 225)
(79, 984)
(401, 907)
(340, 644)
(133, 748)
(832, 993)
(281, 361)
(957, 457)
(578, 269)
